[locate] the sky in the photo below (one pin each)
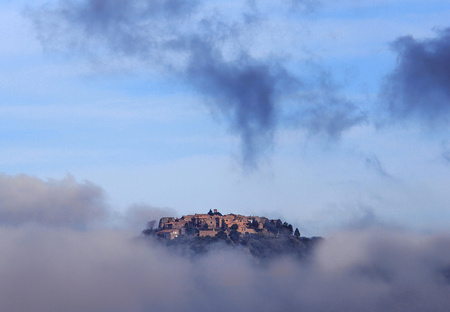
(325, 114)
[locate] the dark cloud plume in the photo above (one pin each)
(200, 43)
(25, 199)
(245, 91)
(419, 87)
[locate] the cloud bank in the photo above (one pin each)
(65, 268)
(104, 270)
(208, 46)
(25, 199)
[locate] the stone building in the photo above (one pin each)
(209, 224)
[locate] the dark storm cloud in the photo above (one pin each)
(419, 87)
(201, 44)
(25, 199)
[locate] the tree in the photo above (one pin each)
(253, 224)
(271, 226)
(210, 212)
(234, 227)
(297, 233)
(234, 236)
(222, 235)
(290, 229)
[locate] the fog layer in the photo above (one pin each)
(64, 268)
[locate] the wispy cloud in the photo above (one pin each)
(372, 162)
(201, 44)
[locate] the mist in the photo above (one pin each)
(64, 268)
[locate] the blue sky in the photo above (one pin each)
(152, 125)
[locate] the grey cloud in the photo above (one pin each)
(419, 87)
(25, 199)
(55, 270)
(202, 45)
(389, 269)
(324, 112)
(332, 120)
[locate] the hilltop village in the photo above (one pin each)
(198, 234)
(214, 224)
